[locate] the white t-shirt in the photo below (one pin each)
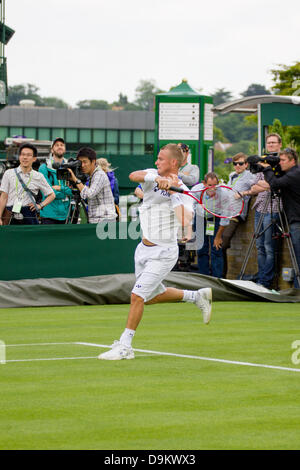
(159, 223)
(33, 180)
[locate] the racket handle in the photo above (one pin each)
(175, 189)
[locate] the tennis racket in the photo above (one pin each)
(221, 201)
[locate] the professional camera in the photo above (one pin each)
(64, 174)
(271, 158)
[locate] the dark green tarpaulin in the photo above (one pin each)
(115, 289)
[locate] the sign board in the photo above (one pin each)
(179, 121)
(208, 122)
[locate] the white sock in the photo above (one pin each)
(189, 296)
(127, 337)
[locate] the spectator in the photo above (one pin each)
(241, 180)
(210, 256)
(187, 172)
(57, 211)
(106, 167)
(20, 186)
(98, 191)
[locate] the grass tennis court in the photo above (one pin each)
(55, 394)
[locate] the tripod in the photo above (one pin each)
(74, 210)
(281, 234)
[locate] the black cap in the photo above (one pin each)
(184, 147)
(59, 139)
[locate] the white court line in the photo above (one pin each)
(35, 344)
(224, 361)
(51, 359)
(159, 353)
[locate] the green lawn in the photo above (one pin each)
(154, 402)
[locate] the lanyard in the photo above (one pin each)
(17, 182)
(235, 180)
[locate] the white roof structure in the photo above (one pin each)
(250, 104)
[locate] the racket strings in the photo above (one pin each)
(222, 201)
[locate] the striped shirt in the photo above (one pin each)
(33, 180)
(260, 201)
(100, 199)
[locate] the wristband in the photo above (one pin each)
(176, 200)
(149, 177)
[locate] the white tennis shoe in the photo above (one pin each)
(204, 302)
(117, 352)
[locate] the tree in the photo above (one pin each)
(29, 91)
(221, 96)
(145, 94)
(255, 89)
(287, 80)
(20, 92)
(124, 104)
(93, 104)
(54, 102)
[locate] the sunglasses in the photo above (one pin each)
(239, 163)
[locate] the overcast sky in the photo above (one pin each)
(95, 49)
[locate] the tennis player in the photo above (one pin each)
(161, 215)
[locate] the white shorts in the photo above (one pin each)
(152, 265)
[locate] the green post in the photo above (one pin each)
(183, 115)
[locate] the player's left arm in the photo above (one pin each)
(184, 215)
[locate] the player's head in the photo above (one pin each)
(169, 160)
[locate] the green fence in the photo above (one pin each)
(70, 251)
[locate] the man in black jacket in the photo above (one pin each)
(289, 187)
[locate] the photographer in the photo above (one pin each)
(20, 187)
(97, 191)
(289, 186)
(268, 214)
(57, 211)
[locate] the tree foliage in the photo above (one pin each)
(30, 91)
(93, 104)
(145, 94)
(221, 96)
(287, 80)
(255, 89)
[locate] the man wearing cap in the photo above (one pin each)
(57, 211)
(188, 173)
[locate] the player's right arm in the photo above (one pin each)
(142, 176)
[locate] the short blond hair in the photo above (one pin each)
(175, 152)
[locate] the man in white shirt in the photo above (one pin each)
(19, 198)
(210, 256)
(241, 180)
(161, 215)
